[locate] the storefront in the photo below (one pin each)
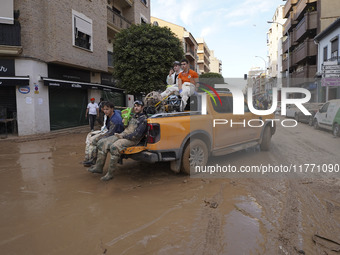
(69, 92)
(9, 83)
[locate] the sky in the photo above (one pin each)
(235, 30)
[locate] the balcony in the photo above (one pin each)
(10, 39)
(308, 22)
(116, 21)
(287, 44)
(290, 22)
(306, 49)
(285, 63)
(303, 75)
(288, 7)
(301, 6)
(124, 3)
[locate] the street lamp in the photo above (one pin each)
(271, 22)
(265, 64)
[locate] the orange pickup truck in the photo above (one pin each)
(187, 139)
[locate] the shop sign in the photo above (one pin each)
(24, 89)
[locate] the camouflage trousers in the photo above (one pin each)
(115, 145)
(91, 144)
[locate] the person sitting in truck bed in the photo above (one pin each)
(187, 83)
(113, 124)
(172, 80)
(131, 136)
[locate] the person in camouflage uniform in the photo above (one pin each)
(113, 124)
(131, 136)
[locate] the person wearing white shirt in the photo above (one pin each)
(172, 80)
(92, 111)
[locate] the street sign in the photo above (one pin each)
(330, 81)
(331, 67)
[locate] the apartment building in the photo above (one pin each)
(274, 44)
(203, 54)
(328, 63)
(55, 55)
(305, 19)
(189, 42)
(215, 63)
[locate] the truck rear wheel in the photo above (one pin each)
(195, 154)
(266, 138)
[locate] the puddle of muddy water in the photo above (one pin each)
(243, 228)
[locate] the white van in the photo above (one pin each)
(328, 117)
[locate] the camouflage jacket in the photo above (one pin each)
(136, 128)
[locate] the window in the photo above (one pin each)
(324, 108)
(226, 107)
(335, 47)
(6, 12)
(82, 31)
(145, 2)
(325, 57)
(143, 19)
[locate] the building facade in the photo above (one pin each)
(60, 55)
(189, 42)
(305, 19)
(215, 63)
(203, 54)
(274, 44)
(328, 82)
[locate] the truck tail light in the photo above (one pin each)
(154, 133)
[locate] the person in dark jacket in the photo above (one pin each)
(114, 124)
(131, 136)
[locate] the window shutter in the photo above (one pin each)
(83, 26)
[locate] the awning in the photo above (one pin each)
(15, 81)
(78, 85)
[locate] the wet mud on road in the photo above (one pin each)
(50, 204)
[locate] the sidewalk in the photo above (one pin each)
(52, 134)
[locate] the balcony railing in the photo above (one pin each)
(306, 49)
(300, 7)
(285, 63)
(286, 43)
(304, 75)
(308, 22)
(10, 34)
(118, 21)
(288, 7)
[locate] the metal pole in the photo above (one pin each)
(288, 78)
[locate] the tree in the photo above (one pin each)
(211, 79)
(211, 75)
(143, 55)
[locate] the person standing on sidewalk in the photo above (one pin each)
(92, 110)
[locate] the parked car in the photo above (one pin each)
(312, 108)
(291, 110)
(278, 108)
(328, 117)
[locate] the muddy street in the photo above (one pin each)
(51, 204)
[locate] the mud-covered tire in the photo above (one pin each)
(336, 130)
(316, 124)
(266, 139)
(195, 154)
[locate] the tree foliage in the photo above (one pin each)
(143, 55)
(211, 75)
(211, 79)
